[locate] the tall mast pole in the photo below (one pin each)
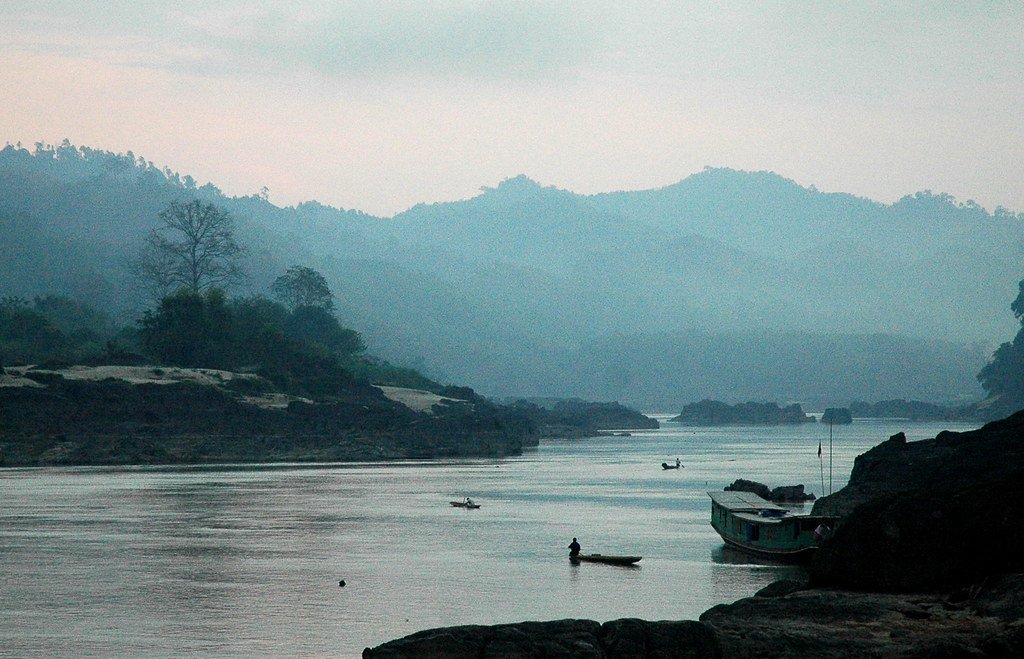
(830, 456)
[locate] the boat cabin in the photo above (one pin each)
(748, 522)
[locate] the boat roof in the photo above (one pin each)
(742, 502)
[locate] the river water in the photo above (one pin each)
(237, 560)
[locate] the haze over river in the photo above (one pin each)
(246, 560)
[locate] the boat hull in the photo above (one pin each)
(797, 555)
(601, 558)
(463, 504)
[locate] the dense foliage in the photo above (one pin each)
(302, 350)
(717, 413)
(1004, 375)
(302, 286)
(52, 328)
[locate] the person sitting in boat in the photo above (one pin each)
(574, 548)
(678, 463)
(469, 502)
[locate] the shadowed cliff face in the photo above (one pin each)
(949, 461)
(929, 515)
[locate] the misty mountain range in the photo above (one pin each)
(731, 285)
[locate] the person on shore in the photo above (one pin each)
(574, 548)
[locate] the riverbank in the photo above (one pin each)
(924, 565)
(151, 415)
(154, 415)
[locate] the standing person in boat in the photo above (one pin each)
(574, 548)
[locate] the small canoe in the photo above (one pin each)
(463, 504)
(601, 558)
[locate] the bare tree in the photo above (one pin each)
(194, 247)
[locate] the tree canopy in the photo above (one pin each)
(301, 286)
(305, 350)
(1004, 375)
(193, 247)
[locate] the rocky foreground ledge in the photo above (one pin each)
(929, 562)
(985, 622)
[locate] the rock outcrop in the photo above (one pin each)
(912, 410)
(717, 413)
(781, 494)
(929, 515)
(626, 638)
(574, 418)
(839, 416)
(949, 461)
(837, 623)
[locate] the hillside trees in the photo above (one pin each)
(1003, 376)
(193, 247)
(51, 328)
(190, 328)
(304, 349)
(303, 287)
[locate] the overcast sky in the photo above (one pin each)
(380, 105)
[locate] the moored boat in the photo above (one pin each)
(759, 527)
(602, 558)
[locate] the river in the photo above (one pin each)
(246, 560)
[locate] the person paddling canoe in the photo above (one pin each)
(574, 548)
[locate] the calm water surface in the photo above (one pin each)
(246, 560)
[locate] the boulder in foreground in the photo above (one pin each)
(625, 638)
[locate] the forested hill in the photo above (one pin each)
(535, 291)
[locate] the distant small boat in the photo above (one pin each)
(601, 558)
(665, 465)
(465, 504)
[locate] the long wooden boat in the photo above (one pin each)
(759, 527)
(463, 504)
(602, 558)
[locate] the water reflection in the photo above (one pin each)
(726, 555)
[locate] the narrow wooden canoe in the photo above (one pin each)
(601, 558)
(463, 504)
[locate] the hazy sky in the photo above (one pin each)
(379, 105)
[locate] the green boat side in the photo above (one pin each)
(749, 523)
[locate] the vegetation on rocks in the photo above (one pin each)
(717, 413)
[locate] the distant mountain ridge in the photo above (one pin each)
(508, 287)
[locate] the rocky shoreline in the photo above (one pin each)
(927, 563)
(153, 415)
(67, 421)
